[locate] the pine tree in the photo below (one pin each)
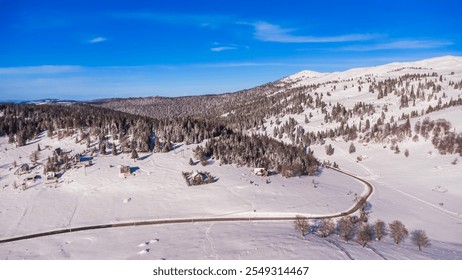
(88, 141)
(329, 150)
(157, 148)
(167, 147)
(406, 153)
(102, 148)
(134, 154)
(352, 148)
(34, 157)
(114, 149)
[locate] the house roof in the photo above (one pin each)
(197, 173)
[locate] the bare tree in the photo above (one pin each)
(191, 162)
(380, 229)
(364, 234)
(398, 231)
(365, 206)
(345, 228)
(302, 224)
(419, 237)
(326, 227)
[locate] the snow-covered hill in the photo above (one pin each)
(416, 178)
(442, 65)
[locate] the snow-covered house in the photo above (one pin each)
(198, 178)
(58, 152)
(76, 158)
(31, 179)
(260, 171)
(24, 168)
(125, 171)
(51, 175)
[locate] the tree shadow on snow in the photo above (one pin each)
(145, 157)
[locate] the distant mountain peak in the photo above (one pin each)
(444, 64)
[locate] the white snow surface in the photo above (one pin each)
(157, 190)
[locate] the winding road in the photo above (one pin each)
(350, 211)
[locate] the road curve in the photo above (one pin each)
(350, 211)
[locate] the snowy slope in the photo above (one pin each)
(422, 189)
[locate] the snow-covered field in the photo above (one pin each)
(98, 195)
(209, 241)
(157, 190)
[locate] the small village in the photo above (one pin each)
(56, 165)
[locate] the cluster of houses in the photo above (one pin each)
(80, 160)
(76, 161)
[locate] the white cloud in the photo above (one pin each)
(400, 45)
(225, 48)
(202, 20)
(42, 69)
(268, 32)
(97, 40)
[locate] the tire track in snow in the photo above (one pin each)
(212, 246)
(27, 211)
(450, 214)
(339, 247)
(372, 175)
(375, 251)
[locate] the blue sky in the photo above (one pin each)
(97, 49)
